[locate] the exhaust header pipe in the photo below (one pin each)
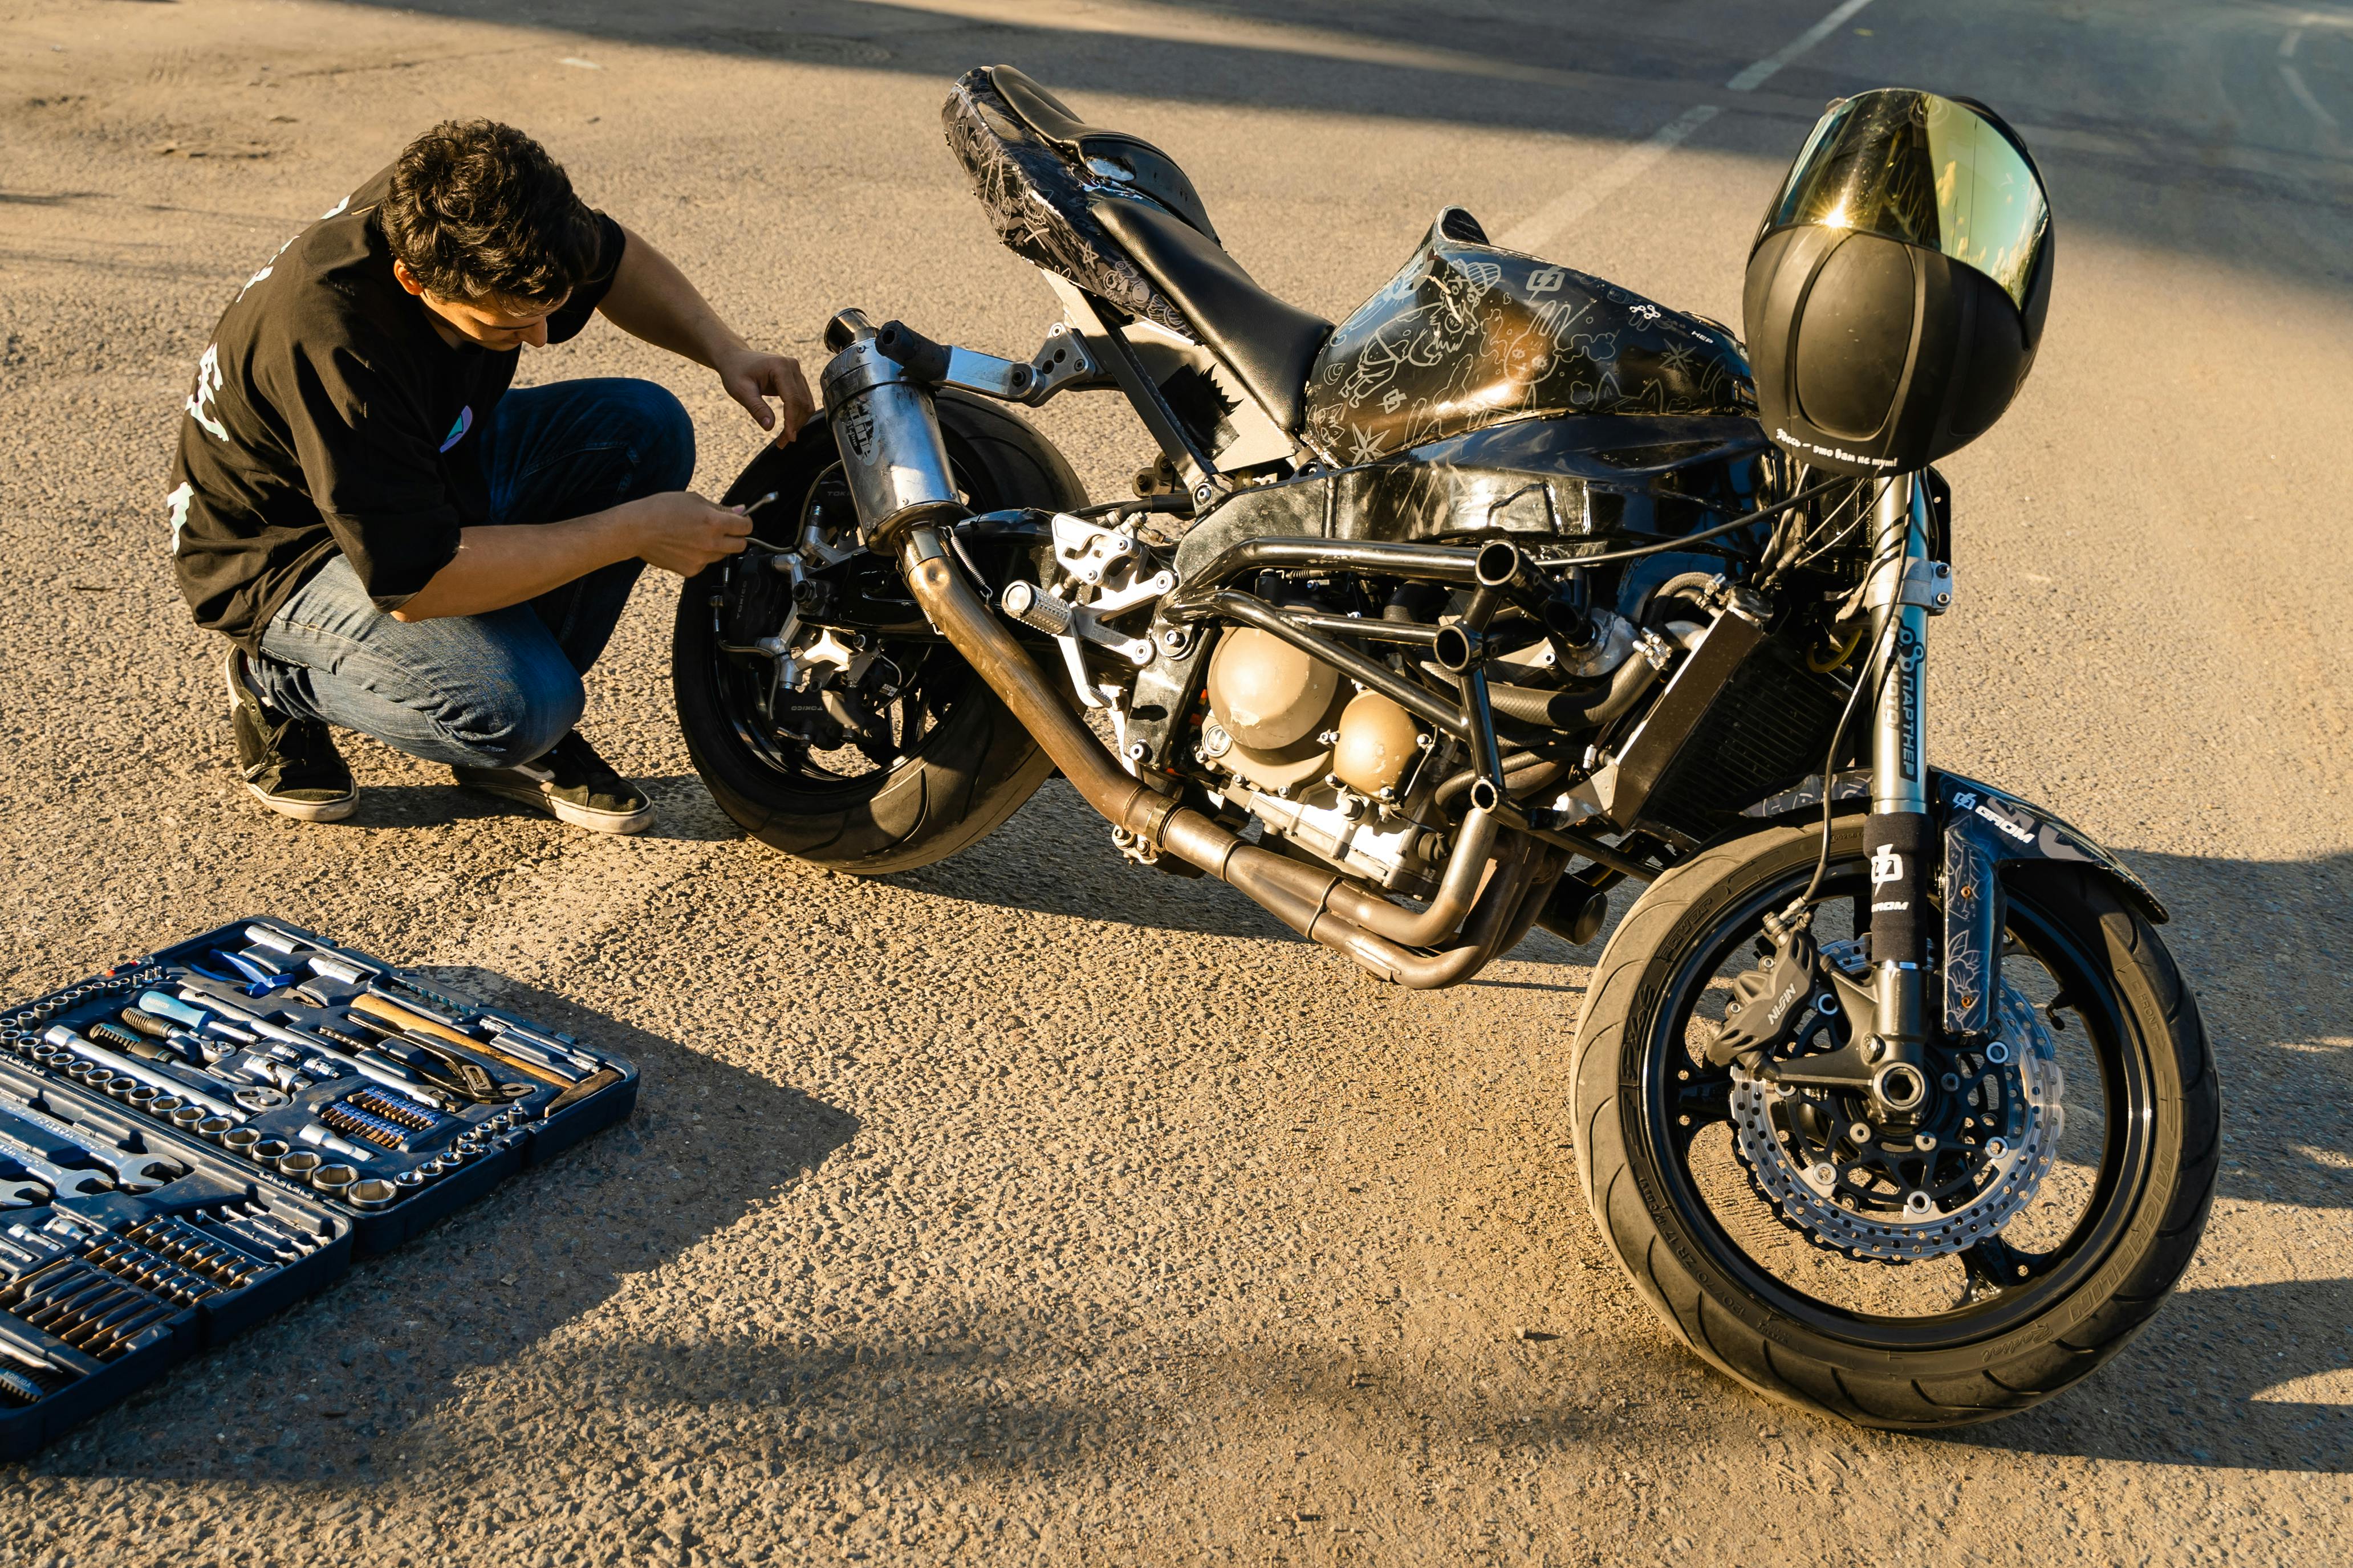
(1317, 903)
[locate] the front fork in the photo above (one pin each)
(1899, 836)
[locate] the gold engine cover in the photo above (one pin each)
(1378, 741)
(1274, 703)
(1266, 692)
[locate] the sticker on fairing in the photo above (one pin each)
(855, 431)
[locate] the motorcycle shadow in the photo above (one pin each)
(1055, 858)
(2262, 943)
(2253, 1377)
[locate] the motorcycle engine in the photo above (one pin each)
(1316, 762)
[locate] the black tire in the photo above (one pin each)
(2149, 1193)
(964, 776)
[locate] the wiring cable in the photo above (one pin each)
(1835, 540)
(1875, 676)
(1678, 542)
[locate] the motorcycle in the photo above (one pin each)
(1447, 622)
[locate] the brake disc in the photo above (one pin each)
(1858, 1196)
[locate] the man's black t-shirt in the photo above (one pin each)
(329, 416)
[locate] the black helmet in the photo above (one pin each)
(1895, 292)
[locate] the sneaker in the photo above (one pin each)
(289, 766)
(571, 784)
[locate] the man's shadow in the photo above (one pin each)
(397, 1334)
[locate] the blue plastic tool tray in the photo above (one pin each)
(195, 1139)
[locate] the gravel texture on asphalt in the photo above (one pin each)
(1032, 1207)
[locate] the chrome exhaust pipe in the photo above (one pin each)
(939, 588)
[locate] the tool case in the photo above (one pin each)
(212, 1131)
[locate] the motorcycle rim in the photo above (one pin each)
(927, 691)
(2000, 1284)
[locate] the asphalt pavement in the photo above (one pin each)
(1033, 1207)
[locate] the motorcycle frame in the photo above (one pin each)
(913, 518)
(876, 393)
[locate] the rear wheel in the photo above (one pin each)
(865, 750)
(1996, 1251)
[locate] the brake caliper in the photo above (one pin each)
(1770, 1002)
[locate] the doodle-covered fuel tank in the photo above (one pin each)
(1469, 334)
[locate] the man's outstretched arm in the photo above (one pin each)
(497, 564)
(651, 298)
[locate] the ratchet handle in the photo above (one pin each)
(417, 1024)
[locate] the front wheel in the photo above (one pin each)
(1962, 1266)
(863, 743)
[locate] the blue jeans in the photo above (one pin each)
(496, 690)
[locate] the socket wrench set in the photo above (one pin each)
(195, 1139)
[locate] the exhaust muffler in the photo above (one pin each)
(889, 435)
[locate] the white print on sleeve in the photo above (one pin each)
(178, 502)
(266, 267)
(208, 376)
(200, 401)
(335, 211)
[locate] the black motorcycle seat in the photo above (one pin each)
(1105, 154)
(1046, 115)
(1270, 344)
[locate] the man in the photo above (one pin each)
(395, 543)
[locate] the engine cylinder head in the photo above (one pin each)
(1378, 740)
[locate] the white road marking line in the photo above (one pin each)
(1628, 165)
(1547, 225)
(1749, 79)
(2294, 80)
(2288, 43)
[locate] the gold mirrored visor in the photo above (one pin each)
(1924, 170)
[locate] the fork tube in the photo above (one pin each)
(1898, 781)
(1898, 834)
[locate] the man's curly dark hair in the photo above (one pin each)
(479, 212)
